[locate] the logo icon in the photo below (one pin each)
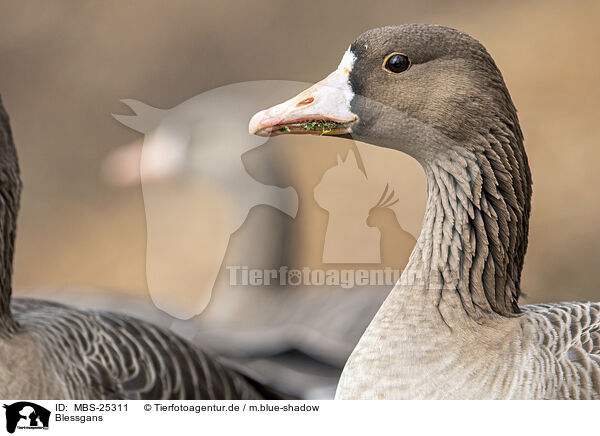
(26, 415)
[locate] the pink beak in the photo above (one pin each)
(322, 109)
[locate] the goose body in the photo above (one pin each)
(451, 327)
(52, 351)
(62, 352)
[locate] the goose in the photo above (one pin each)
(451, 328)
(53, 351)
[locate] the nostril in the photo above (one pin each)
(306, 101)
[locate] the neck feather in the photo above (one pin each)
(10, 190)
(474, 235)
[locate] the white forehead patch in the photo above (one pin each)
(347, 61)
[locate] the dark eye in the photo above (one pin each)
(396, 63)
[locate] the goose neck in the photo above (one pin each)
(7, 246)
(10, 193)
(473, 238)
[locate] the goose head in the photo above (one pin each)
(416, 88)
(436, 94)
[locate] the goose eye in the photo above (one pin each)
(396, 63)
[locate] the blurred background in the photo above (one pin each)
(66, 65)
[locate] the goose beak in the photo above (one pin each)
(322, 109)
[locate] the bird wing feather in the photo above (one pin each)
(103, 355)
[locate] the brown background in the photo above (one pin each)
(64, 66)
